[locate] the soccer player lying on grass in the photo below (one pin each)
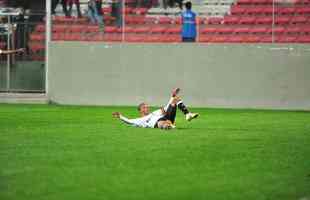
(163, 118)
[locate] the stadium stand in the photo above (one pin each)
(220, 21)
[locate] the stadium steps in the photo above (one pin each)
(248, 21)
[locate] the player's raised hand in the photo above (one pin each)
(116, 114)
(175, 92)
(21, 50)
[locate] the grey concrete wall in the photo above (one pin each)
(236, 76)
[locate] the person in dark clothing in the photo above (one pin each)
(95, 12)
(117, 7)
(70, 4)
(64, 7)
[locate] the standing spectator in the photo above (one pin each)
(163, 4)
(117, 10)
(77, 4)
(188, 24)
(180, 3)
(64, 7)
(95, 12)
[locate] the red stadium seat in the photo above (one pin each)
(36, 46)
(152, 38)
(141, 30)
(305, 30)
(224, 30)
(108, 19)
(128, 10)
(95, 38)
(135, 20)
(37, 37)
(126, 29)
(110, 29)
(214, 20)
(164, 20)
(287, 11)
(286, 39)
(231, 20)
(266, 39)
(260, 30)
(247, 20)
(306, 2)
(133, 38)
(303, 10)
(267, 10)
(244, 2)
(262, 2)
(201, 20)
(299, 20)
(264, 20)
(40, 28)
(76, 28)
(92, 29)
(170, 38)
(282, 20)
(58, 36)
(158, 29)
(254, 10)
(293, 30)
(219, 39)
(237, 10)
(73, 37)
(235, 39)
(150, 20)
(112, 37)
(303, 39)
(251, 39)
(209, 30)
(204, 38)
(174, 30)
(242, 30)
(279, 30)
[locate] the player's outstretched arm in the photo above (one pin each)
(12, 51)
(119, 116)
(138, 122)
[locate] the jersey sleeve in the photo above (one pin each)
(139, 122)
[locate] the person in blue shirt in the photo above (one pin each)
(188, 24)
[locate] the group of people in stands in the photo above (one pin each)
(94, 11)
(96, 16)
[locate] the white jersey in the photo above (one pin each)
(148, 121)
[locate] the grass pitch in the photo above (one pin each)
(70, 152)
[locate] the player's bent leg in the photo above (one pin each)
(171, 113)
(188, 115)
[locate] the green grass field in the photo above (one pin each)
(81, 153)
